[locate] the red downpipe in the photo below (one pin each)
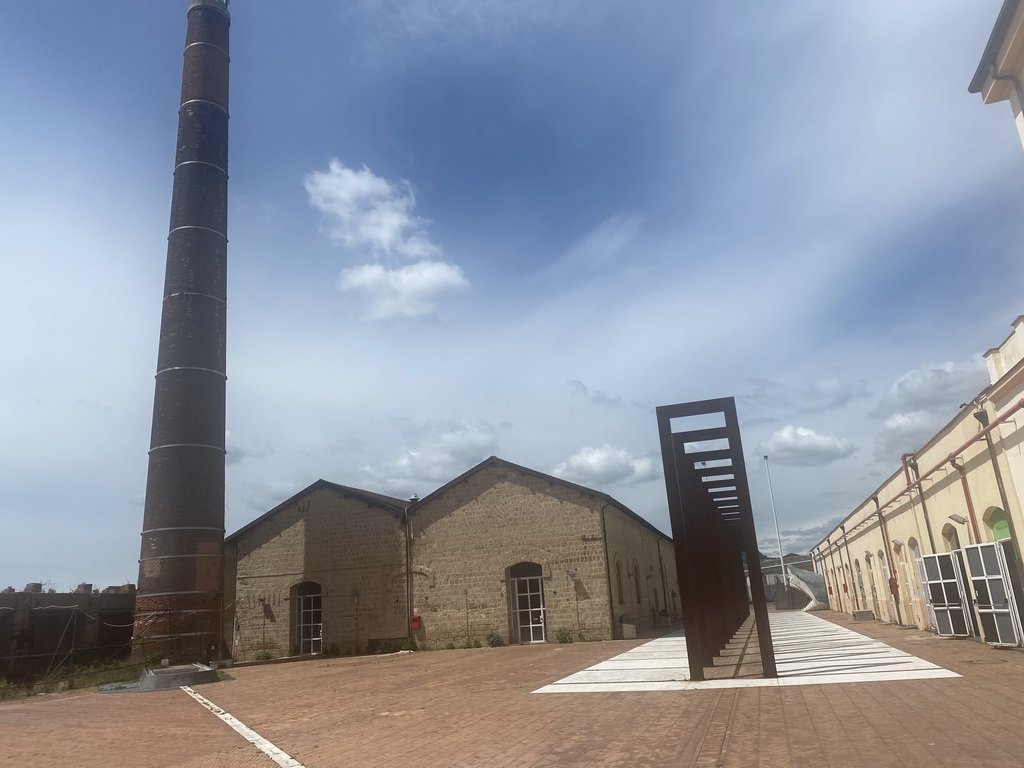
(890, 565)
(835, 577)
(967, 498)
(853, 576)
(1016, 407)
(911, 483)
(842, 570)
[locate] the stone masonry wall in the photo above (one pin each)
(465, 540)
(352, 549)
(633, 552)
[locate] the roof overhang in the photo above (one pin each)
(1004, 54)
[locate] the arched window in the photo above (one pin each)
(618, 583)
(950, 538)
(997, 523)
(636, 575)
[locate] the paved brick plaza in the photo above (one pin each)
(476, 708)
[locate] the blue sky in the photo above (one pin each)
(465, 228)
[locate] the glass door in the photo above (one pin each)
(310, 625)
(993, 597)
(529, 609)
(945, 588)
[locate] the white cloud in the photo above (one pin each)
(440, 452)
(607, 465)
(599, 249)
(803, 447)
(931, 387)
(905, 433)
(829, 394)
(253, 449)
(407, 291)
(577, 387)
(261, 497)
(363, 209)
(441, 23)
(798, 540)
(921, 401)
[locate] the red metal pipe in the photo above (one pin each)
(842, 570)
(1016, 407)
(981, 434)
(967, 498)
(894, 584)
(853, 576)
(906, 469)
(835, 578)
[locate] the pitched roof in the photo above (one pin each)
(494, 461)
(398, 507)
(995, 42)
(394, 506)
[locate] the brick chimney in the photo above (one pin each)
(180, 591)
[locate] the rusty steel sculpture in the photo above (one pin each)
(713, 530)
(181, 584)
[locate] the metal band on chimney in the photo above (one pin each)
(187, 445)
(194, 293)
(220, 6)
(212, 45)
(168, 613)
(180, 592)
(203, 101)
(200, 162)
(193, 226)
(191, 368)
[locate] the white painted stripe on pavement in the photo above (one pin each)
(280, 757)
(808, 651)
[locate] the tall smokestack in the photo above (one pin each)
(181, 582)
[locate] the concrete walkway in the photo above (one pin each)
(808, 651)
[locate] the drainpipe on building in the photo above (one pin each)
(835, 578)
(408, 565)
(909, 461)
(894, 584)
(1017, 86)
(661, 569)
(608, 573)
(853, 576)
(842, 571)
(967, 499)
(982, 416)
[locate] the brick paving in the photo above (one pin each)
(475, 708)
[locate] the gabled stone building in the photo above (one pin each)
(501, 549)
